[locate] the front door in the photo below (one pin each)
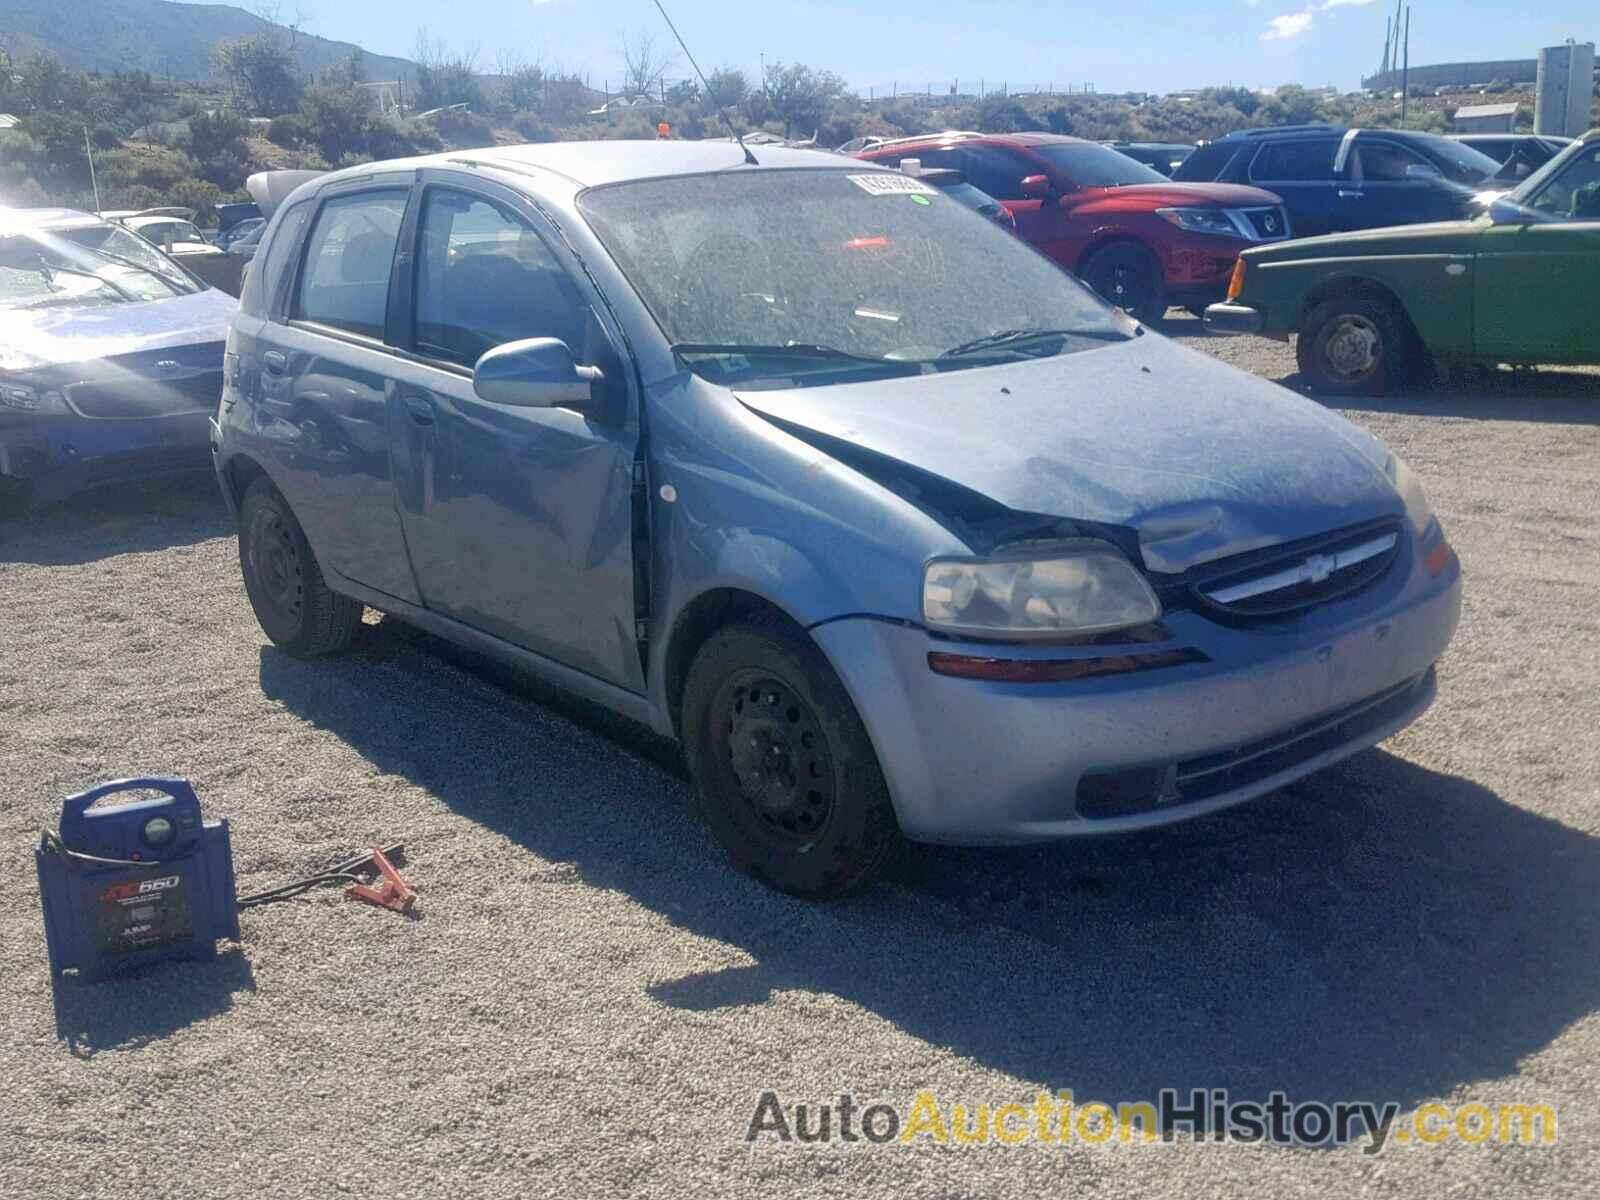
(1538, 280)
(519, 520)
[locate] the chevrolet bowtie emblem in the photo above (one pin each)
(1316, 568)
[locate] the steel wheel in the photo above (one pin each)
(1352, 347)
(778, 752)
(274, 560)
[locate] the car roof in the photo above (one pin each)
(1012, 139)
(590, 164)
(45, 218)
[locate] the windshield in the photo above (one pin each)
(1087, 165)
(1555, 197)
(1459, 163)
(854, 271)
(86, 265)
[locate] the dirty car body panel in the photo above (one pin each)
(821, 484)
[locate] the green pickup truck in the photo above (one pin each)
(1520, 284)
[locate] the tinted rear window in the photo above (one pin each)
(1296, 161)
(345, 281)
(1205, 164)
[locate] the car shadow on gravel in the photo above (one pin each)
(1547, 396)
(1378, 931)
(148, 1005)
(134, 518)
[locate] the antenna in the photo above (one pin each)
(89, 152)
(721, 109)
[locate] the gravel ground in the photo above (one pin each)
(589, 1003)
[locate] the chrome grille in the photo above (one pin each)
(1292, 578)
(1269, 224)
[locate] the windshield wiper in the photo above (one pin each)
(49, 270)
(1007, 338)
(788, 350)
(172, 283)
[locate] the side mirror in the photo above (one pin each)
(1504, 212)
(1036, 187)
(535, 373)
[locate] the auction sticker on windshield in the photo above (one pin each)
(887, 183)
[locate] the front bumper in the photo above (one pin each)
(981, 762)
(1234, 318)
(56, 455)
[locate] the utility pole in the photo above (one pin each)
(1388, 33)
(1405, 71)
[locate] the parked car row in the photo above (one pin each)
(1520, 284)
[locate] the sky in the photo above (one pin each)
(1121, 45)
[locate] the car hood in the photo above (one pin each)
(1436, 237)
(1200, 460)
(1190, 195)
(48, 336)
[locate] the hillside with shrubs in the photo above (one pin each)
(158, 142)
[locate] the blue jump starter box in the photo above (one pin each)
(135, 883)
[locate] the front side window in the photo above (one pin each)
(345, 281)
(821, 273)
(485, 278)
(1389, 162)
(1296, 162)
(1086, 164)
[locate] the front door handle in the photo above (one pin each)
(275, 361)
(421, 411)
(1349, 195)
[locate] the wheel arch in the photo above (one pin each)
(1368, 288)
(694, 625)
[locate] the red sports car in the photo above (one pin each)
(1136, 237)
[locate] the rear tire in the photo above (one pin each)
(784, 772)
(1353, 345)
(295, 607)
(1129, 276)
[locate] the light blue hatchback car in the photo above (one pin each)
(893, 524)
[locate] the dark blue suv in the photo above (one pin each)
(1333, 179)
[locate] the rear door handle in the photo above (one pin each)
(421, 411)
(1348, 195)
(275, 361)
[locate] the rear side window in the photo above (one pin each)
(1295, 162)
(264, 273)
(345, 280)
(1206, 164)
(485, 278)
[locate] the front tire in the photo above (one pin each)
(1129, 276)
(295, 607)
(1352, 345)
(784, 772)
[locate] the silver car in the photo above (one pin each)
(899, 530)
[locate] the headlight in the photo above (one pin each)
(1201, 220)
(1410, 488)
(1080, 588)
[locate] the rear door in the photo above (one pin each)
(519, 520)
(1538, 282)
(323, 376)
(1315, 187)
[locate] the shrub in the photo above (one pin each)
(464, 129)
(291, 131)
